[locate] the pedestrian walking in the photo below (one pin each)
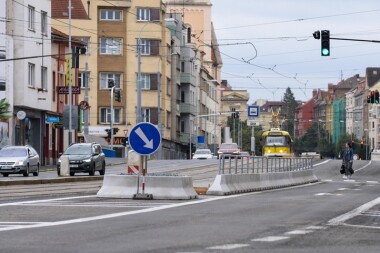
(348, 158)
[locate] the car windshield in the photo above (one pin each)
(229, 146)
(12, 152)
(78, 150)
(275, 141)
(202, 152)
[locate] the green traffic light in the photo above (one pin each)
(376, 101)
(325, 51)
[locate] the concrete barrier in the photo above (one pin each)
(237, 183)
(161, 187)
(64, 170)
(118, 186)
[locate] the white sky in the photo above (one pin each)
(266, 23)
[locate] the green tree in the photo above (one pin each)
(289, 109)
(4, 109)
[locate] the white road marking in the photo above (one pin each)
(364, 166)
(271, 239)
(229, 246)
(327, 180)
(343, 189)
(323, 194)
(371, 213)
(315, 227)
(344, 217)
(317, 164)
(299, 232)
(372, 182)
(44, 200)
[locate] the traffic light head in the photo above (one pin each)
(376, 97)
(325, 43)
(115, 130)
(118, 95)
(372, 97)
(369, 99)
(108, 132)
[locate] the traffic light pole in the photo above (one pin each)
(112, 116)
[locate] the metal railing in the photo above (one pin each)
(235, 164)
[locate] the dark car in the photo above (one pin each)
(84, 157)
(19, 160)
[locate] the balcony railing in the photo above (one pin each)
(187, 108)
(187, 78)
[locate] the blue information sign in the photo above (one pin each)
(144, 138)
(253, 111)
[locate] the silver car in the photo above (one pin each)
(19, 160)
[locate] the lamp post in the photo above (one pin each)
(139, 114)
(366, 143)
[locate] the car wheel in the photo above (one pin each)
(26, 172)
(72, 174)
(37, 172)
(92, 171)
(103, 171)
(5, 174)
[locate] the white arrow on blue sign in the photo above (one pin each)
(144, 138)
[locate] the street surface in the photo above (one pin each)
(333, 215)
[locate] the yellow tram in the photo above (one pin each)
(277, 143)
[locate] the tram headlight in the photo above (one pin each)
(281, 151)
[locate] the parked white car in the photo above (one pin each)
(202, 154)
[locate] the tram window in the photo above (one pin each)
(275, 141)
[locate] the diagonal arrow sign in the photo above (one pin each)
(148, 143)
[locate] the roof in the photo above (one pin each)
(59, 9)
(283, 133)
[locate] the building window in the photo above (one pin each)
(110, 15)
(110, 46)
(168, 119)
(145, 81)
(31, 18)
(168, 86)
(108, 80)
(43, 22)
(148, 14)
(44, 78)
(143, 14)
(81, 79)
(146, 115)
(85, 41)
(149, 47)
(31, 75)
(105, 115)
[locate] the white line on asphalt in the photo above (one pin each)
(270, 239)
(229, 246)
(21, 222)
(315, 227)
(115, 215)
(317, 164)
(44, 200)
(372, 182)
(344, 217)
(299, 232)
(84, 205)
(365, 166)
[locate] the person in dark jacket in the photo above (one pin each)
(348, 158)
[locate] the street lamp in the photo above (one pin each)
(139, 114)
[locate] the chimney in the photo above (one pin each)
(315, 92)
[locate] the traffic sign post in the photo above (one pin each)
(144, 139)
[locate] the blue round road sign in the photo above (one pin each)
(144, 138)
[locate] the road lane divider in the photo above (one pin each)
(161, 187)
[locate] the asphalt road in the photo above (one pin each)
(333, 215)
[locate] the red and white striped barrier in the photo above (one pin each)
(133, 169)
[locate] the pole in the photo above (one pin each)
(190, 141)
(159, 107)
(112, 115)
(85, 112)
(215, 121)
(138, 118)
(70, 81)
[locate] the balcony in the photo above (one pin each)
(187, 78)
(187, 108)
